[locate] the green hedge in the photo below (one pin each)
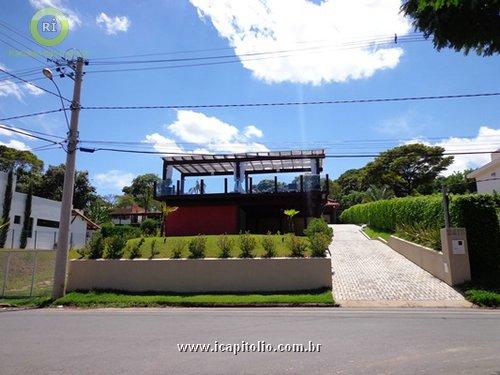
(124, 231)
(478, 213)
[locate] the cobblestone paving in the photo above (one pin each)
(368, 270)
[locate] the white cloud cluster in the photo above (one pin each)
(113, 180)
(11, 142)
(487, 139)
(9, 88)
(112, 25)
(329, 41)
(73, 18)
(211, 135)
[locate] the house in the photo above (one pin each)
(240, 209)
(488, 176)
(44, 221)
(131, 215)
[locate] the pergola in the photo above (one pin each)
(190, 165)
(242, 165)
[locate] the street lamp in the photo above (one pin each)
(48, 73)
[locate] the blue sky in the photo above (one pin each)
(334, 61)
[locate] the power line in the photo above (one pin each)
(32, 131)
(32, 84)
(231, 48)
(315, 102)
(357, 44)
(237, 60)
(27, 134)
(31, 114)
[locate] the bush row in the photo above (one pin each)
(114, 246)
(477, 213)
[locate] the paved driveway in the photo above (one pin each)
(369, 273)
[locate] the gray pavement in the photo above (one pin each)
(369, 273)
(144, 341)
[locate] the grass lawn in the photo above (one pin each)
(373, 233)
(25, 302)
(164, 245)
(483, 297)
(116, 299)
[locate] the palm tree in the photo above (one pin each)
(165, 211)
(374, 193)
(290, 214)
(196, 189)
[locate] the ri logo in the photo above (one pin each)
(49, 27)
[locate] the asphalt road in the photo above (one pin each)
(140, 341)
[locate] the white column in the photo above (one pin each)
(239, 177)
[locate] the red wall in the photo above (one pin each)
(193, 220)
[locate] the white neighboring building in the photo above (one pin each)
(45, 221)
(488, 176)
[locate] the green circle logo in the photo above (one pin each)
(55, 22)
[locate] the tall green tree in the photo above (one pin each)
(25, 165)
(352, 180)
(407, 168)
(50, 186)
(27, 219)
(142, 190)
(7, 201)
(267, 186)
(459, 24)
(98, 210)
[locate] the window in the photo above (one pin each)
(47, 223)
(17, 219)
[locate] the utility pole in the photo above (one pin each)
(59, 287)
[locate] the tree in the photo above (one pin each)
(98, 210)
(142, 190)
(50, 186)
(352, 180)
(196, 189)
(290, 215)
(456, 183)
(124, 200)
(7, 201)
(459, 24)
(374, 193)
(165, 212)
(27, 219)
(25, 164)
(406, 168)
(267, 186)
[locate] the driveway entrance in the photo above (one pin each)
(369, 273)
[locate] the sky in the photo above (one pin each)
(298, 50)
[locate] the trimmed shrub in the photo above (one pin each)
(153, 249)
(125, 231)
(269, 246)
(319, 244)
(477, 213)
(178, 246)
(225, 245)
(115, 247)
(318, 225)
(96, 245)
(197, 247)
(248, 243)
(135, 249)
(426, 236)
(297, 246)
(149, 227)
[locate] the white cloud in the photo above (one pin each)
(113, 180)
(323, 39)
(13, 143)
(72, 16)
(252, 131)
(487, 139)
(112, 25)
(214, 135)
(9, 133)
(163, 144)
(33, 90)
(8, 88)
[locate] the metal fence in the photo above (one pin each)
(26, 273)
(42, 239)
